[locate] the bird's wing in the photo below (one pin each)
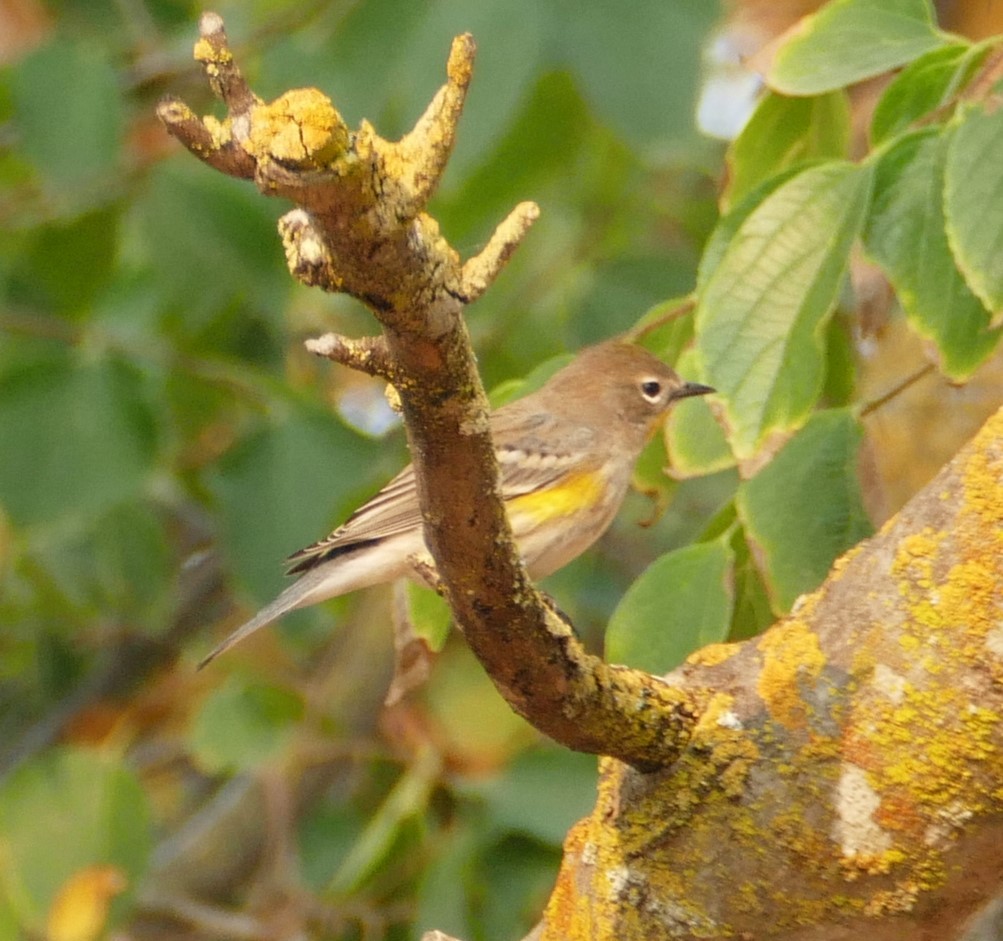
(526, 460)
(392, 511)
(530, 455)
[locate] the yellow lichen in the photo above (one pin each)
(914, 557)
(791, 656)
(983, 478)
(300, 128)
(713, 654)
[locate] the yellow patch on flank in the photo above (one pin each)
(565, 499)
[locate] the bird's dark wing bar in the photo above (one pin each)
(392, 511)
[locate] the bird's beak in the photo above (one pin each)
(688, 389)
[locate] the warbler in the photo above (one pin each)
(566, 453)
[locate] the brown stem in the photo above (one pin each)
(359, 229)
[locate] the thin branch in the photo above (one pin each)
(355, 230)
(425, 151)
(367, 354)
(206, 138)
(480, 271)
(896, 390)
(225, 78)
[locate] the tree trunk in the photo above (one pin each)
(847, 780)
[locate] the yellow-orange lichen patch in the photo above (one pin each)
(983, 478)
(209, 53)
(300, 128)
(932, 750)
(712, 655)
(221, 131)
(914, 559)
(563, 916)
(792, 659)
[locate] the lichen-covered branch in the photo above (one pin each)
(846, 782)
(359, 227)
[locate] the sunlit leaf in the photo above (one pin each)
(973, 180)
(763, 309)
(783, 133)
(906, 236)
(922, 86)
(850, 40)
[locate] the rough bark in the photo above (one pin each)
(847, 779)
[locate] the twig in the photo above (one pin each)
(896, 390)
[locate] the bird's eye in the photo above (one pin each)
(651, 389)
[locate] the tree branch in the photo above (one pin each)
(360, 228)
(850, 762)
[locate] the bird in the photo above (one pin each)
(565, 452)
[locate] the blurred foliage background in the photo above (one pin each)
(165, 442)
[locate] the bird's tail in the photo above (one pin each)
(289, 600)
(334, 577)
(302, 592)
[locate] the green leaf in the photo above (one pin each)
(209, 241)
(922, 86)
(786, 132)
(680, 603)
(283, 488)
(520, 873)
(325, 834)
(546, 135)
(666, 329)
(695, 442)
(394, 95)
(850, 40)
(68, 114)
(621, 288)
(542, 793)
(119, 565)
(753, 612)
(973, 200)
(61, 813)
(510, 61)
(597, 39)
(763, 310)
(728, 225)
(512, 389)
(241, 725)
(407, 800)
(429, 614)
(41, 278)
(443, 903)
(905, 235)
(804, 508)
(77, 440)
